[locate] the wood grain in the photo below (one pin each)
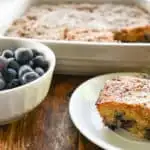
(84, 144)
(48, 127)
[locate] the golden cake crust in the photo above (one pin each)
(133, 34)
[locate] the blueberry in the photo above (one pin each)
(23, 55)
(13, 64)
(1, 76)
(28, 77)
(126, 124)
(31, 64)
(119, 115)
(24, 69)
(2, 84)
(147, 134)
(7, 53)
(39, 71)
(39, 61)
(147, 37)
(14, 83)
(112, 126)
(10, 59)
(36, 53)
(9, 74)
(3, 63)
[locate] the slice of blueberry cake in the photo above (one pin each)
(124, 103)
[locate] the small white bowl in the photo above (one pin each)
(18, 101)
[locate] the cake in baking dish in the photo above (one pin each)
(124, 102)
(105, 22)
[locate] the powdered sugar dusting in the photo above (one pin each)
(52, 21)
(129, 90)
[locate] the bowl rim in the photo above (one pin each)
(50, 68)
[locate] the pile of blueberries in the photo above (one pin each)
(21, 66)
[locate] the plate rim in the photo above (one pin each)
(100, 143)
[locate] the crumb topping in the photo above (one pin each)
(128, 89)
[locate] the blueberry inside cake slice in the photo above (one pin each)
(124, 102)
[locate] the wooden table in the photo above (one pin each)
(48, 127)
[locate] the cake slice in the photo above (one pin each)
(124, 102)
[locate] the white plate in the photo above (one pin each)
(85, 116)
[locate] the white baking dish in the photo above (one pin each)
(7, 8)
(145, 4)
(88, 57)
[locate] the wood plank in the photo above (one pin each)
(85, 144)
(48, 127)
